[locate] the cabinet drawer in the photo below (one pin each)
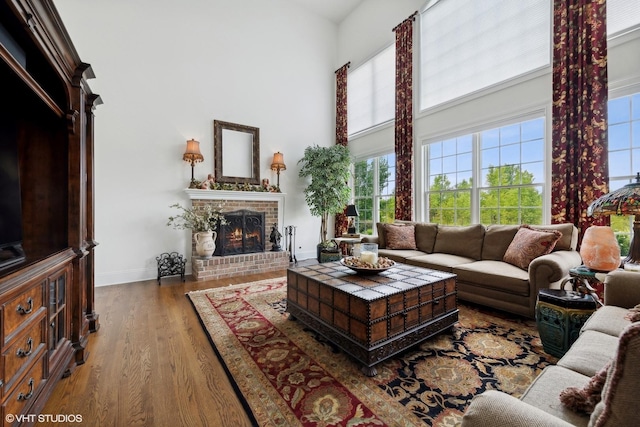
(20, 309)
(16, 357)
(25, 392)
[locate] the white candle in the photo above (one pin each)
(369, 257)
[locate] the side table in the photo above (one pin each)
(348, 242)
(559, 316)
(585, 280)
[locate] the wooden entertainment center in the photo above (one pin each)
(46, 300)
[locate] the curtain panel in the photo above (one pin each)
(404, 119)
(342, 133)
(580, 170)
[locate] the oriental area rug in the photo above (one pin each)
(286, 375)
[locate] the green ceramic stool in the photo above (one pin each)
(559, 315)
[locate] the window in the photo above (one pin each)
(371, 92)
(374, 190)
(504, 186)
(624, 156)
(468, 45)
(622, 15)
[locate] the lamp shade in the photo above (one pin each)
(278, 162)
(352, 210)
(192, 153)
(623, 201)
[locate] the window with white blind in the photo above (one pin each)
(371, 92)
(468, 45)
(622, 15)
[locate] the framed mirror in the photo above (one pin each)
(237, 153)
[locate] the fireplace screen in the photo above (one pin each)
(243, 233)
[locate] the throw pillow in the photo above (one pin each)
(634, 314)
(619, 404)
(528, 244)
(586, 398)
(400, 236)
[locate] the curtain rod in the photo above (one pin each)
(347, 65)
(411, 17)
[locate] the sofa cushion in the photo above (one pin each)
(465, 241)
(438, 261)
(495, 275)
(584, 399)
(496, 241)
(529, 244)
(382, 241)
(400, 236)
(399, 255)
(591, 351)
(619, 404)
(426, 236)
(569, 239)
(608, 319)
(545, 390)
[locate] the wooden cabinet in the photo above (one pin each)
(47, 301)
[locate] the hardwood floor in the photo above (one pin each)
(150, 364)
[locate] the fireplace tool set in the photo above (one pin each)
(290, 237)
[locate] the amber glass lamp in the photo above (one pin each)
(192, 154)
(278, 164)
(624, 201)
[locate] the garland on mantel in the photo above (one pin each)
(211, 184)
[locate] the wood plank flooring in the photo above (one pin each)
(150, 364)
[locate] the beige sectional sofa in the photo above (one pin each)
(609, 344)
(476, 254)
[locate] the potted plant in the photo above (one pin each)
(328, 192)
(202, 221)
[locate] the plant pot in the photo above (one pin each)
(205, 243)
(328, 254)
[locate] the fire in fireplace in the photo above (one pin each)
(243, 233)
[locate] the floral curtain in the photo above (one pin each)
(404, 119)
(342, 134)
(580, 170)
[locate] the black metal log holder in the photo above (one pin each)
(170, 264)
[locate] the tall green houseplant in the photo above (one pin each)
(328, 192)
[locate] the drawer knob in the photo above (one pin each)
(27, 352)
(20, 309)
(22, 396)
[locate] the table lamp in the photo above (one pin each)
(624, 201)
(278, 165)
(192, 154)
(352, 214)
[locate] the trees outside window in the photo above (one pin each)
(374, 190)
(504, 186)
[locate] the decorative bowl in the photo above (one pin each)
(353, 263)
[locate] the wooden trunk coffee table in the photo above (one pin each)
(372, 317)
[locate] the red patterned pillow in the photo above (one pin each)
(528, 244)
(400, 236)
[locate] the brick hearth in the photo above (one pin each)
(272, 204)
(238, 265)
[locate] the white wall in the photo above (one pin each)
(166, 70)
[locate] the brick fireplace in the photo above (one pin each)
(219, 267)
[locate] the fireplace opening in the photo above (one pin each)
(242, 234)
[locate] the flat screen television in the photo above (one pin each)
(11, 251)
